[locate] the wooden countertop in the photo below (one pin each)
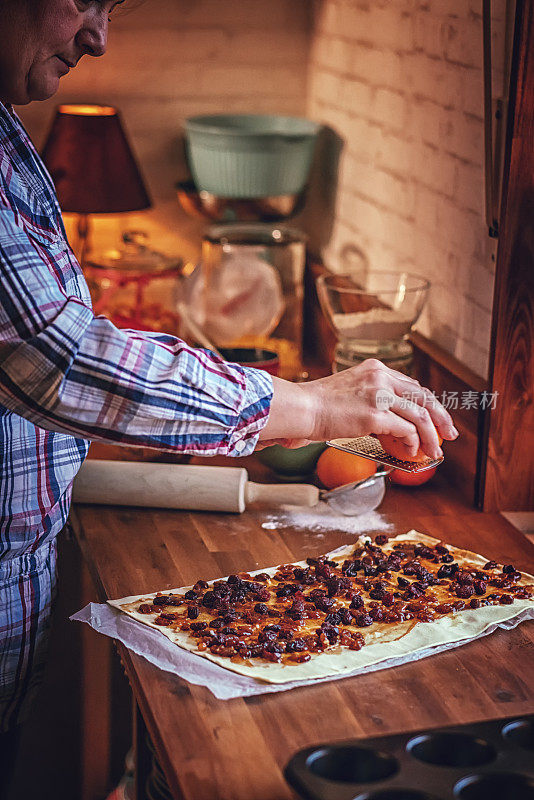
(236, 749)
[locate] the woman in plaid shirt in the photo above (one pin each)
(68, 377)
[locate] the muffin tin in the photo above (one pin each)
(491, 760)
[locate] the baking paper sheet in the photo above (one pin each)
(225, 685)
(155, 646)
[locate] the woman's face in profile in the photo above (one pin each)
(41, 40)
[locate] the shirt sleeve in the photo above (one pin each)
(67, 370)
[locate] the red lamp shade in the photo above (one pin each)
(91, 163)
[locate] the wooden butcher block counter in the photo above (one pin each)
(236, 749)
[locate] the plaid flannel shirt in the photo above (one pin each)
(68, 377)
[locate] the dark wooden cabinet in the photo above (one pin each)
(506, 477)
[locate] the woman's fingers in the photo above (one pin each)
(411, 390)
(421, 418)
(424, 397)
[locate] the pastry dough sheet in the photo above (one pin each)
(383, 642)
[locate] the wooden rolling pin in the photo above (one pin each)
(132, 483)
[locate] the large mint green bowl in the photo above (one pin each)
(292, 463)
(250, 155)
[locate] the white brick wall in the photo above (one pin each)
(401, 82)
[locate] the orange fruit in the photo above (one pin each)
(335, 468)
(395, 447)
(411, 478)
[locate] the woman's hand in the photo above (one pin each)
(369, 398)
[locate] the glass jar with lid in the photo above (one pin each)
(136, 286)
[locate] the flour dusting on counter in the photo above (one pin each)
(322, 518)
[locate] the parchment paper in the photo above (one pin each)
(156, 647)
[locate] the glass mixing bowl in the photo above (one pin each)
(372, 317)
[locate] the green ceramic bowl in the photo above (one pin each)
(250, 155)
(291, 463)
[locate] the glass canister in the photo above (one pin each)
(251, 290)
(135, 286)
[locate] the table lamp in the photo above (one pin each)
(92, 166)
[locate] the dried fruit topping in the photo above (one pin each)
(370, 571)
(363, 620)
(162, 620)
(465, 590)
(161, 600)
(462, 576)
(350, 568)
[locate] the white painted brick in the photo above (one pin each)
(183, 14)
(433, 79)
(428, 34)
(387, 258)
(430, 122)
(394, 153)
(449, 8)
(342, 235)
(264, 47)
(171, 45)
(435, 170)
(473, 92)
(466, 139)
(457, 227)
(377, 67)
(426, 208)
(380, 187)
(362, 138)
(473, 356)
(326, 19)
(326, 87)
(397, 233)
(470, 188)
(476, 282)
(356, 96)
(353, 19)
(475, 323)
(389, 27)
(389, 108)
(319, 51)
(345, 19)
(430, 259)
(463, 42)
(228, 78)
(341, 55)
